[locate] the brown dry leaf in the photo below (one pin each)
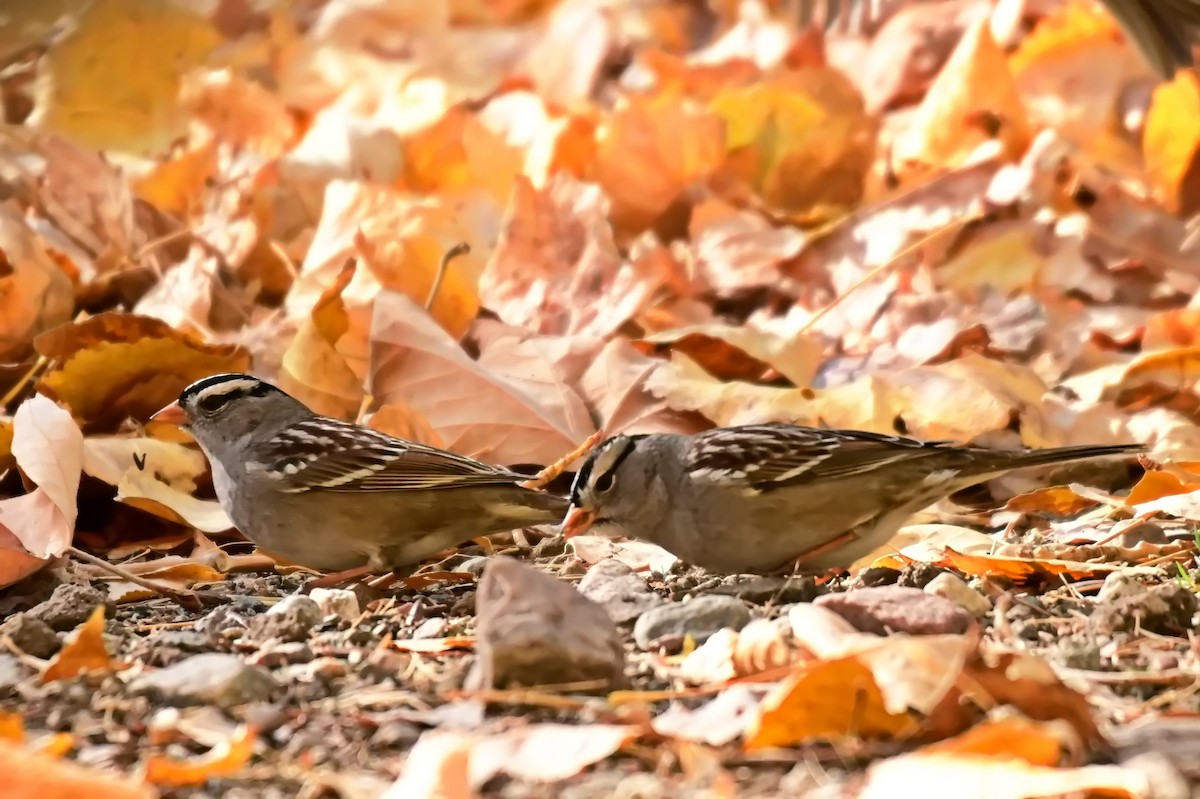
(113, 81)
(400, 240)
(1156, 485)
(313, 369)
(973, 87)
(238, 111)
(48, 448)
(617, 389)
(733, 250)
(116, 366)
(416, 362)
(741, 353)
(827, 700)
(802, 140)
(1170, 143)
(552, 141)
(966, 777)
(650, 150)
(225, 759)
(15, 563)
(178, 184)
(12, 728)
(30, 775)
(1011, 737)
(83, 651)
(141, 489)
(35, 295)
(557, 269)
(1054, 500)
(400, 420)
(565, 61)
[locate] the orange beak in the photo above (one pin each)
(172, 414)
(577, 521)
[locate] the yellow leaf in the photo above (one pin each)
(113, 81)
(227, 757)
(1170, 143)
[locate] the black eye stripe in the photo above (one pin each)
(583, 476)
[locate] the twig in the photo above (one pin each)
(552, 471)
(192, 600)
(462, 248)
(26, 378)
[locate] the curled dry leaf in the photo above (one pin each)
(733, 352)
(617, 388)
(35, 295)
(48, 448)
(547, 752)
(115, 366)
(83, 651)
(437, 767)
(224, 759)
(31, 775)
(474, 410)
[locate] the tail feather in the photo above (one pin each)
(1060, 455)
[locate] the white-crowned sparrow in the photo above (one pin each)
(335, 496)
(760, 497)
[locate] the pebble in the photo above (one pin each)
(772, 590)
(613, 586)
(69, 606)
(291, 619)
(1167, 609)
(952, 587)
(31, 635)
(215, 678)
(899, 609)
(699, 617)
(11, 673)
(339, 602)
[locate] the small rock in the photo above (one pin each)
(283, 654)
(533, 629)
(433, 627)
(69, 606)
(291, 619)
(549, 548)
(1148, 532)
(217, 679)
(613, 586)
(699, 617)
(31, 635)
(895, 608)
(952, 587)
(464, 605)
(339, 602)
(917, 575)
(235, 616)
(395, 735)
(773, 590)
(874, 576)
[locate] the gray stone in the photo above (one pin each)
(699, 618)
(31, 635)
(217, 679)
(69, 606)
(12, 672)
(291, 619)
(613, 586)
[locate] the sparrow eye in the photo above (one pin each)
(605, 482)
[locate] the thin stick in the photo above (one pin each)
(559, 466)
(26, 378)
(192, 600)
(462, 248)
(874, 273)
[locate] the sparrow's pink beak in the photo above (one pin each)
(172, 414)
(577, 521)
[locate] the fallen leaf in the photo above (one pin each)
(113, 81)
(83, 651)
(115, 366)
(35, 295)
(415, 361)
(144, 491)
(30, 775)
(225, 759)
(546, 752)
(437, 767)
(971, 777)
(48, 447)
(826, 700)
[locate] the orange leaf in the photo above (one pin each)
(224, 759)
(84, 651)
(31, 775)
(12, 727)
(1055, 500)
(1019, 569)
(1156, 485)
(826, 700)
(1011, 737)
